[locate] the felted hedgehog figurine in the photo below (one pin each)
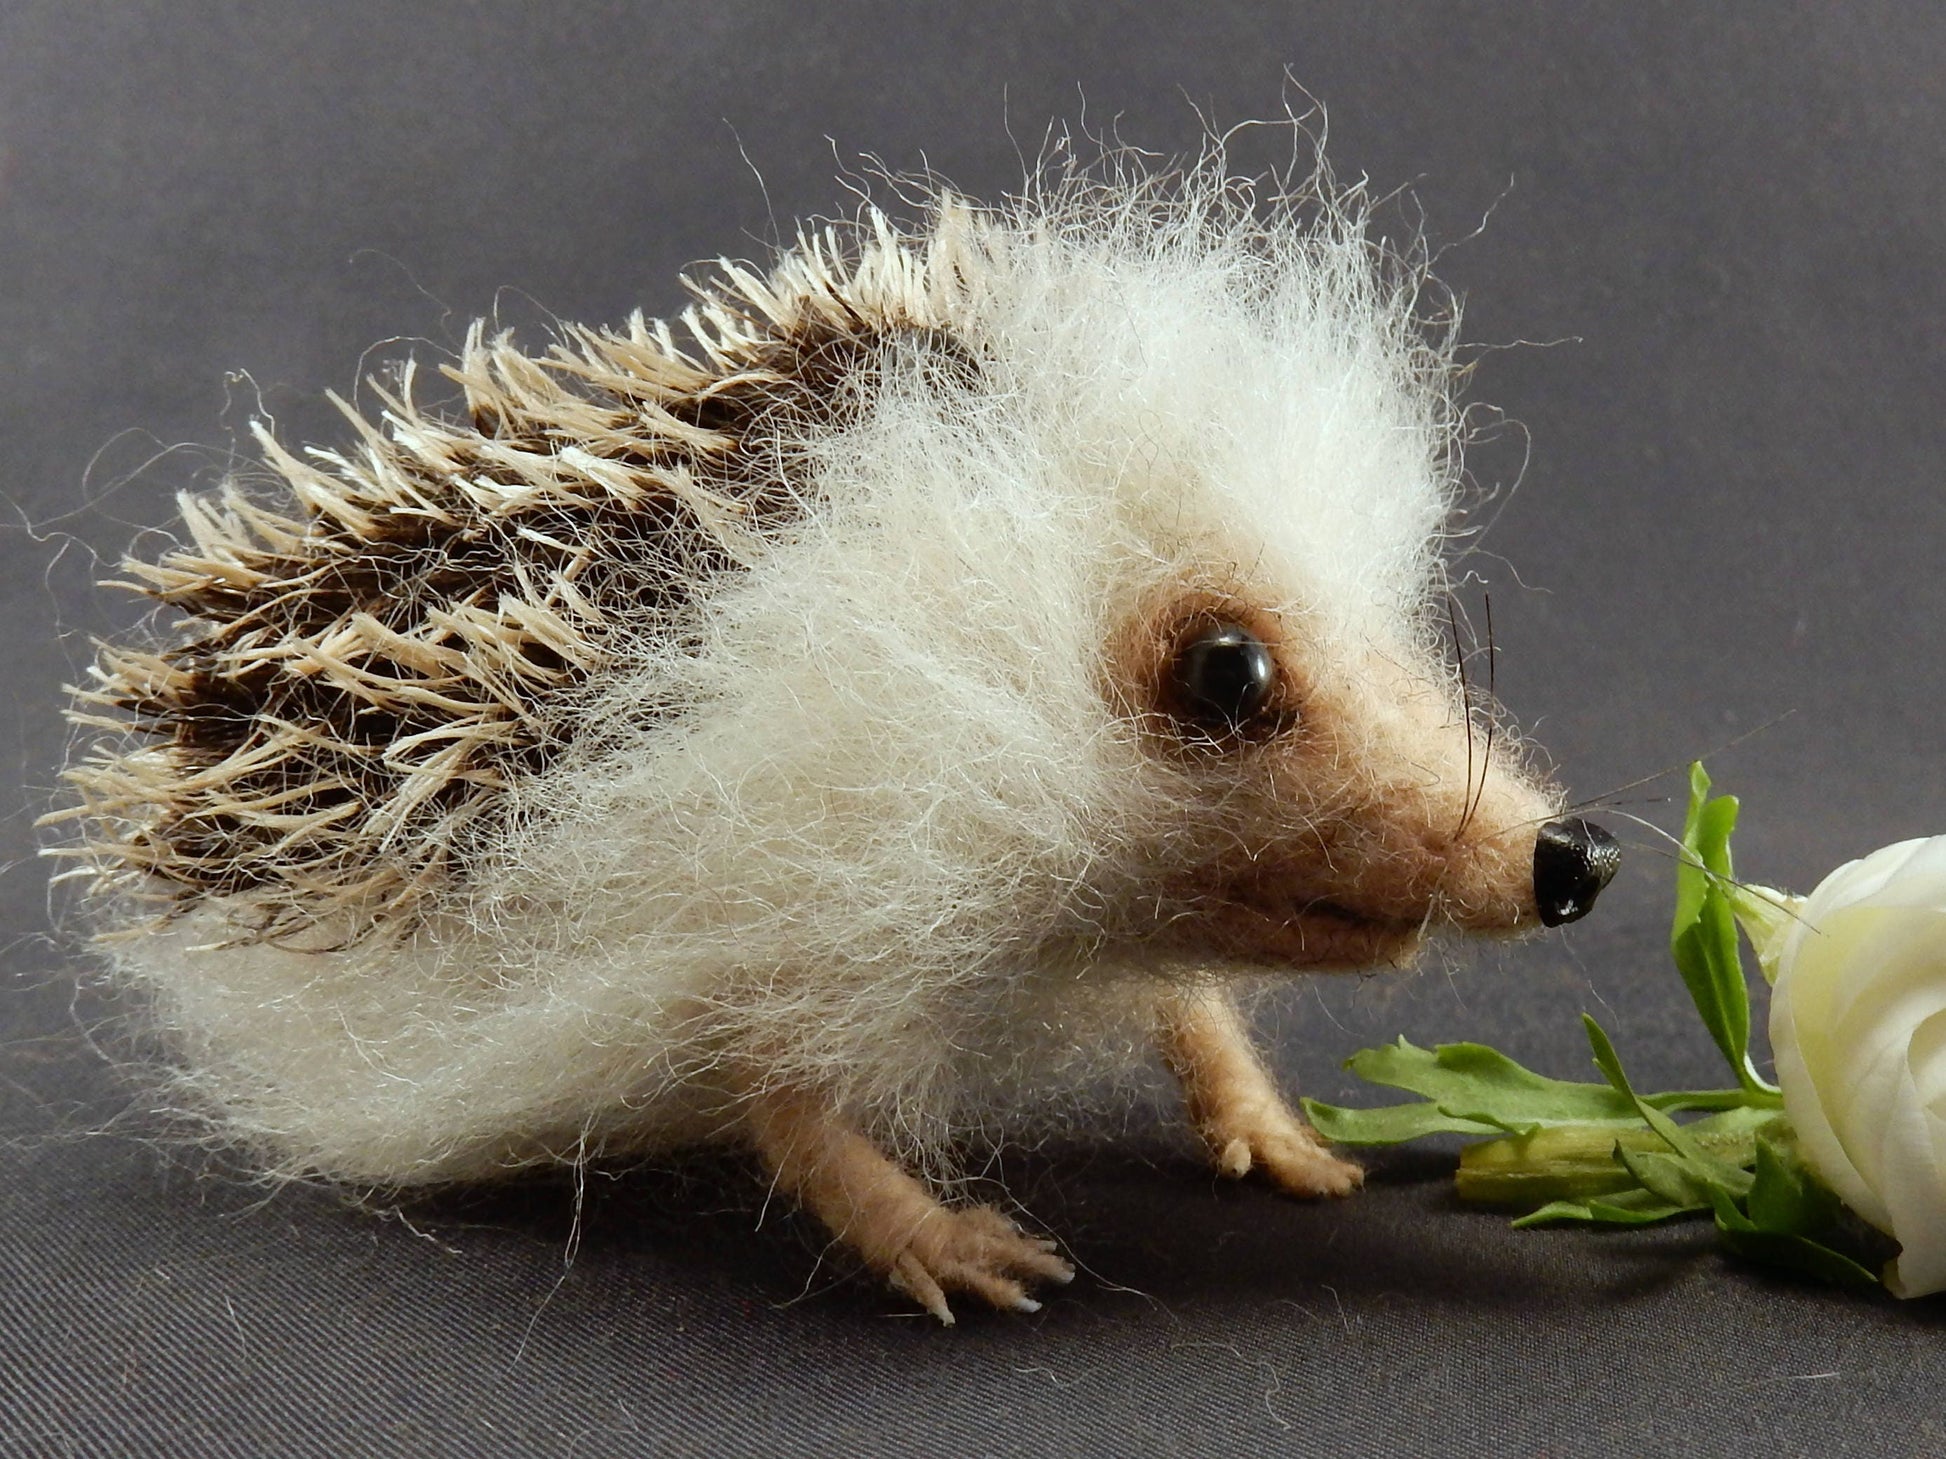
(945, 658)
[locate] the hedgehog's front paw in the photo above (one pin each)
(1267, 1136)
(977, 1250)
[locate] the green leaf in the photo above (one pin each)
(1474, 1082)
(1717, 1174)
(1800, 1254)
(1787, 1249)
(1785, 1197)
(1391, 1124)
(1668, 1177)
(1703, 936)
(1701, 848)
(1636, 1207)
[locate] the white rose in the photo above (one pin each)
(1858, 1026)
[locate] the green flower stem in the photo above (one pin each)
(1573, 1163)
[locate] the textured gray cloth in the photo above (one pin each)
(1717, 235)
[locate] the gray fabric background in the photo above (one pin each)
(1722, 228)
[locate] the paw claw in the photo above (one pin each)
(916, 1282)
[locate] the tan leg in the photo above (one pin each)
(1233, 1103)
(890, 1219)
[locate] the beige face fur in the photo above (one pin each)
(1371, 809)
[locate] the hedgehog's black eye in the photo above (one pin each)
(1222, 680)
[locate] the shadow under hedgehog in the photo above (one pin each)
(931, 661)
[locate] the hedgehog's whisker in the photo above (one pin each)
(1717, 749)
(1466, 710)
(1493, 706)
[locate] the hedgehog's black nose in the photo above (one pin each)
(1573, 860)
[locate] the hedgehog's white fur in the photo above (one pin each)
(908, 836)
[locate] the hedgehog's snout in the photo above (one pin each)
(1573, 860)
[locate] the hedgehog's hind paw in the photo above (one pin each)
(975, 1250)
(888, 1218)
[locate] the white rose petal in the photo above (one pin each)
(1858, 1026)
